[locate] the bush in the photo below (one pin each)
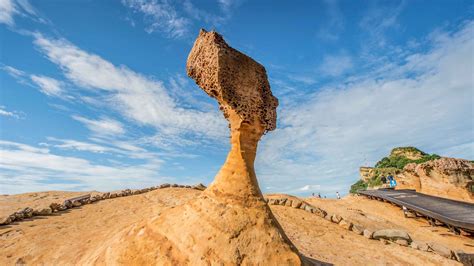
(359, 185)
(399, 161)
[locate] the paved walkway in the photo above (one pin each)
(453, 213)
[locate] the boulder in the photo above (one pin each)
(112, 195)
(402, 242)
(28, 212)
(62, 207)
(76, 203)
(44, 212)
(296, 203)
(5, 220)
(168, 185)
(392, 234)
(282, 201)
(54, 206)
(328, 217)
(19, 216)
(358, 229)
(440, 250)
(368, 234)
(345, 224)
(335, 218)
(309, 208)
(175, 185)
(465, 258)
(288, 202)
(419, 245)
(321, 213)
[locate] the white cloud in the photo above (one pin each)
(26, 168)
(160, 16)
(7, 11)
(48, 86)
(426, 102)
(13, 71)
(139, 98)
(310, 188)
(10, 8)
(105, 126)
(4, 112)
(331, 30)
(336, 65)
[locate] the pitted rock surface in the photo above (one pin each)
(234, 79)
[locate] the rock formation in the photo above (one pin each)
(229, 223)
(445, 177)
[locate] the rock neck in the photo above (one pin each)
(236, 181)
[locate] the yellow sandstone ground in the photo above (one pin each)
(68, 237)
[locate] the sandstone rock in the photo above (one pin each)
(5, 220)
(187, 186)
(19, 216)
(319, 212)
(368, 234)
(112, 195)
(402, 242)
(199, 186)
(309, 208)
(465, 258)
(288, 202)
(335, 218)
(328, 217)
(296, 204)
(345, 224)
(168, 185)
(440, 250)
(391, 234)
(175, 185)
(54, 206)
(419, 245)
(358, 229)
(44, 212)
(282, 201)
(106, 195)
(62, 207)
(446, 177)
(384, 241)
(28, 212)
(76, 203)
(229, 223)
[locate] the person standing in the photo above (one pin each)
(337, 194)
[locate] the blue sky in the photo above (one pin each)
(94, 94)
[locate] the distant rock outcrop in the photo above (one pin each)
(430, 174)
(445, 177)
(229, 223)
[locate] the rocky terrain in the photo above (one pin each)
(75, 235)
(430, 174)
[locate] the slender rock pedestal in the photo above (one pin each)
(229, 223)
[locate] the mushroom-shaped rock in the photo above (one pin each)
(229, 223)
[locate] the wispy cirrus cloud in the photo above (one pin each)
(160, 16)
(141, 99)
(11, 8)
(47, 85)
(27, 168)
(103, 126)
(335, 65)
(176, 18)
(7, 113)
